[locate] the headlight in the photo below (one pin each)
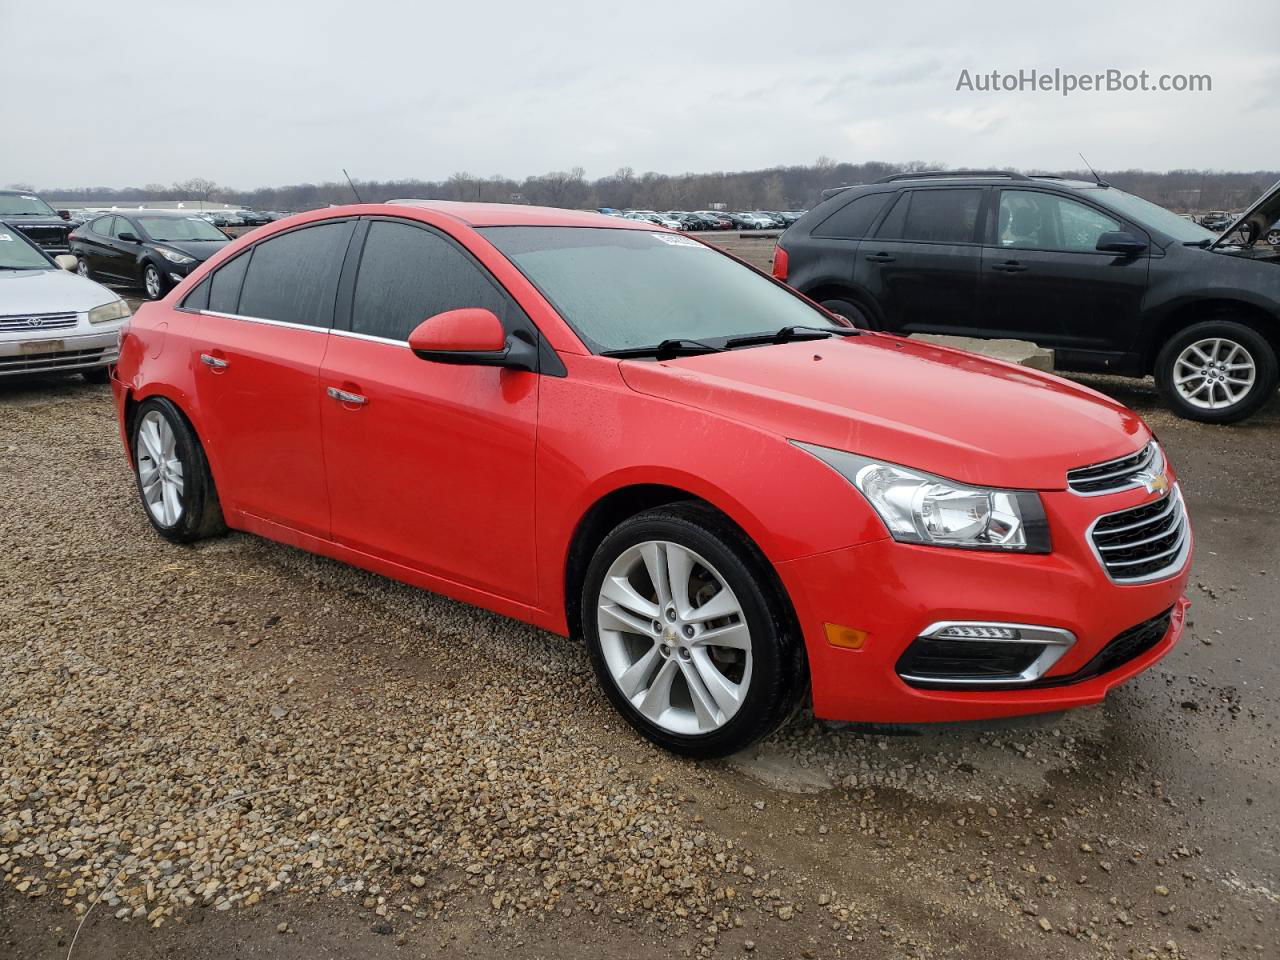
(115, 310)
(921, 508)
(174, 256)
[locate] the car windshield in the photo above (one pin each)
(1153, 215)
(24, 204)
(622, 288)
(180, 228)
(17, 254)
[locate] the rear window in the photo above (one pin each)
(933, 216)
(853, 221)
(293, 278)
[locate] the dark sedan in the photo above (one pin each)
(154, 249)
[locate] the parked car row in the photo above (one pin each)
(711, 219)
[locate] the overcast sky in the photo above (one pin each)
(271, 92)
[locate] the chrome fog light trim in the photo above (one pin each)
(1055, 640)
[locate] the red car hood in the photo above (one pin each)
(943, 411)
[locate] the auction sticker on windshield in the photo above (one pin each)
(675, 240)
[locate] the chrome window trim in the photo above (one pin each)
(1183, 548)
(271, 323)
(370, 337)
(1057, 641)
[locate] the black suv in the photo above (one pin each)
(27, 213)
(1113, 283)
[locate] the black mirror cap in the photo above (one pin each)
(65, 214)
(128, 237)
(1121, 242)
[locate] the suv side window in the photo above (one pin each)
(934, 216)
(407, 274)
(853, 221)
(224, 285)
(293, 278)
(1031, 220)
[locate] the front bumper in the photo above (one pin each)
(49, 353)
(892, 592)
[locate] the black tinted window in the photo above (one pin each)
(937, 216)
(408, 274)
(123, 226)
(224, 287)
(293, 277)
(102, 226)
(197, 299)
(854, 219)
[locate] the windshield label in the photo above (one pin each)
(26, 196)
(675, 240)
(5, 236)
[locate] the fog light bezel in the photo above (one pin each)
(1056, 641)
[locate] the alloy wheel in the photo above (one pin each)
(674, 637)
(82, 267)
(159, 469)
(151, 278)
(1214, 373)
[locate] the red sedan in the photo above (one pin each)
(625, 435)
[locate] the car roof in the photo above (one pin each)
(515, 215)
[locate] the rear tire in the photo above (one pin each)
(1218, 371)
(698, 683)
(174, 481)
(850, 311)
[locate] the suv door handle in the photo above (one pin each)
(346, 396)
(1009, 266)
(880, 258)
(217, 363)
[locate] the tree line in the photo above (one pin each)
(775, 188)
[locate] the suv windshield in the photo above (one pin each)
(180, 228)
(631, 288)
(24, 205)
(17, 254)
(1153, 215)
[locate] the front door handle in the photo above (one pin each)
(880, 258)
(217, 363)
(346, 396)
(1009, 266)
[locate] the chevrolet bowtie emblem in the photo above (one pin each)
(1155, 482)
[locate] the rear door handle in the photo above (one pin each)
(346, 396)
(217, 363)
(1009, 266)
(880, 258)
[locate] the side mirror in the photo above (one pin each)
(1121, 242)
(66, 261)
(473, 336)
(65, 214)
(128, 237)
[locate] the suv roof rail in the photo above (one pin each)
(930, 174)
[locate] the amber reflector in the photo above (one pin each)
(846, 637)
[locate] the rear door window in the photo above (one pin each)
(853, 221)
(293, 278)
(102, 226)
(224, 287)
(934, 216)
(408, 273)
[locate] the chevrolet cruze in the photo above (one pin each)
(624, 435)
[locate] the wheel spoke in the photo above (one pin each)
(620, 591)
(150, 438)
(625, 621)
(704, 705)
(723, 690)
(655, 562)
(734, 635)
(171, 503)
(679, 569)
(657, 699)
(723, 604)
(636, 677)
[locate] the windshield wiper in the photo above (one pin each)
(673, 347)
(786, 334)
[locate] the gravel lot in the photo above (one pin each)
(240, 749)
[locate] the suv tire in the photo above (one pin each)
(1201, 371)
(850, 311)
(688, 694)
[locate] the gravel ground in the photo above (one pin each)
(240, 748)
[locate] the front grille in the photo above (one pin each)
(52, 362)
(1113, 475)
(1143, 543)
(1122, 648)
(47, 237)
(43, 321)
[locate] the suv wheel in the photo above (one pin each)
(687, 633)
(153, 282)
(1273, 237)
(850, 311)
(173, 475)
(1218, 371)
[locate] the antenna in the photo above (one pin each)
(1101, 182)
(352, 184)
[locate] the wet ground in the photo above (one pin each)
(1148, 826)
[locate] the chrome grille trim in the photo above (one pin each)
(39, 321)
(1168, 531)
(1112, 476)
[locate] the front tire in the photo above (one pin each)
(82, 268)
(174, 481)
(1218, 371)
(153, 282)
(689, 634)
